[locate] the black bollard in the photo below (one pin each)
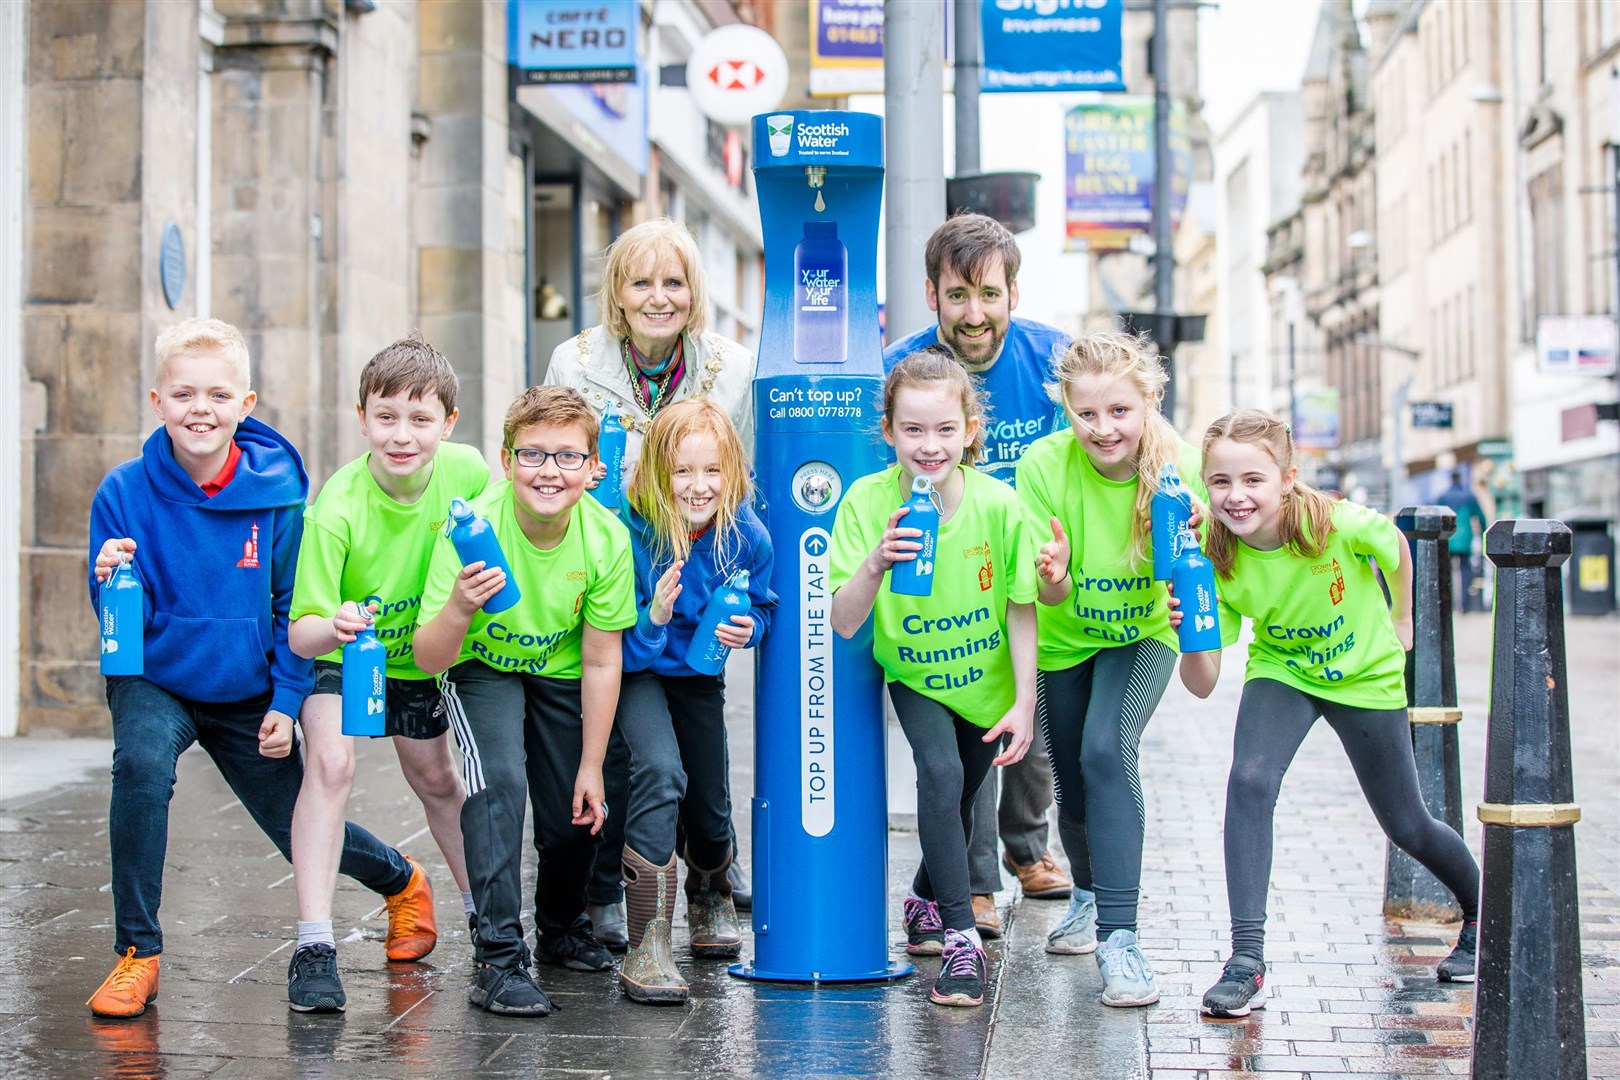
(1529, 1016)
(1410, 891)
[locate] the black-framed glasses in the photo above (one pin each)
(567, 460)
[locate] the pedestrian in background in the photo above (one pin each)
(691, 532)
(1106, 646)
(972, 286)
(1461, 544)
(1298, 565)
(653, 348)
(960, 662)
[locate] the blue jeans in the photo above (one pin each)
(151, 728)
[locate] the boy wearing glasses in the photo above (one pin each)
(367, 541)
(532, 691)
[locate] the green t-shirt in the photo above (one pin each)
(588, 577)
(1114, 601)
(359, 544)
(1322, 625)
(950, 646)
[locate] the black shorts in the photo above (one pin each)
(415, 706)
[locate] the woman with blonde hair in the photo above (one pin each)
(653, 348)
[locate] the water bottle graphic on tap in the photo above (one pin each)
(365, 681)
(820, 296)
(707, 653)
(123, 622)
(916, 576)
(475, 541)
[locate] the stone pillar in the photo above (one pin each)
(464, 227)
(111, 159)
(274, 227)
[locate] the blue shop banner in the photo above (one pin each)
(1041, 45)
(572, 41)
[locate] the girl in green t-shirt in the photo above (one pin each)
(960, 661)
(1326, 644)
(1106, 647)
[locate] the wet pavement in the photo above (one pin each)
(1355, 995)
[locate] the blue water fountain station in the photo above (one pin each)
(820, 808)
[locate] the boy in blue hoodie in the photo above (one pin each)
(210, 517)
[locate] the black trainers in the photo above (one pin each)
(1459, 966)
(509, 992)
(312, 980)
(1240, 989)
(576, 949)
(961, 974)
(925, 934)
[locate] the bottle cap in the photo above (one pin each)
(821, 230)
(460, 510)
(921, 485)
(739, 580)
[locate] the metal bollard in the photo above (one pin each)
(1410, 891)
(1529, 1016)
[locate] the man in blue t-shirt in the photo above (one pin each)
(972, 285)
(1461, 545)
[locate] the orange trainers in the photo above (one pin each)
(127, 990)
(411, 929)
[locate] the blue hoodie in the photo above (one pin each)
(662, 649)
(218, 572)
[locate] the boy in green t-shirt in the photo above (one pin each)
(532, 690)
(367, 541)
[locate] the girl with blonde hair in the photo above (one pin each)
(1326, 644)
(1106, 646)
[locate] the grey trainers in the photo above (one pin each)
(1076, 935)
(1459, 966)
(609, 925)
(509, 991)
(1241, 989)
(1127, 977)
(313, 984)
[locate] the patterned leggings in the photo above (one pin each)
(1092, 715)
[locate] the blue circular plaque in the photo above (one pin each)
(172, 264)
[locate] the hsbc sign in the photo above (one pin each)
(735, 72)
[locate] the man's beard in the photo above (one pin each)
(978, 363)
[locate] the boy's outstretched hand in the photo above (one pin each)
(275, 735)
(111, 554)
(590, 804)
(475, 586)
(349, 621)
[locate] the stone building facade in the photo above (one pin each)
(337, 173)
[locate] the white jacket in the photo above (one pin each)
(717, 368)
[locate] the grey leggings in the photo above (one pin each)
(1093, 715)
(1272, 721)
(952, 760)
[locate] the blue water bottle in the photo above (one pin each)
(707, 653)
(1193, 578)
(1172, 509)
(916, 577)
(365, 682)
(123, 622)
(475, 541)
(820, 296)
(610, 447)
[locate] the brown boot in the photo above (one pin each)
(710, 911)
(648, 974)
